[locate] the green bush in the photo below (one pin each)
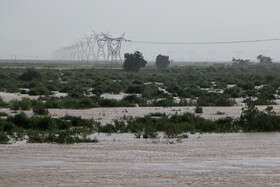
(172, 130)
(39, 90)
(114, 88)
(14, 105)
(43, 123)
(226, 125)
(63, 124)
(17, 133)
(40, 109)
(3, 114)
(30, 74)
(20, 120)
(120, 126)
(108, 128)
(3, 138)
(132, 99)
(213, 99)
(2, 103)
(35, 136)
(252, 119)
(24, 104)
(7, 126)
(152, 92)
(198, 109)
(135, 89)
(234, 92)
(164, 102)
(150, 132)
(114, 103)
(65, 138)
(53, 103)
(259, 101)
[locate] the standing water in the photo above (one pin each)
(241, 159)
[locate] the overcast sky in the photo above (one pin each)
(36, 28)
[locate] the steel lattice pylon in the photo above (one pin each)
(90, 42)
(92, 48)
(100, 40)
(114, 48)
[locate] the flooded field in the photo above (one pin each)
(107, 115)
(241, 159)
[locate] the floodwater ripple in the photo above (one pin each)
(238, 159)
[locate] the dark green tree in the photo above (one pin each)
(264, 59)
(30, 74)
(134, 62)
(162, 61)
(240, 62)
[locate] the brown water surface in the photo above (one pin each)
(241, 159)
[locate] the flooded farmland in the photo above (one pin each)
(107, 115)
(238, 159)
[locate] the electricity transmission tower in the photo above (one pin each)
(92, 47)
(101, 41)
(90, 44)
(114, 47)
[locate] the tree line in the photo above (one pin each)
(135, 61)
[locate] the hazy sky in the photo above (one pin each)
(36, 28)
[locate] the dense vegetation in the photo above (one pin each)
(75, 129)
(207, 86)
(46, 129)
(195, 86)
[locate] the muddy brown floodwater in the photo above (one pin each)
(238, 159)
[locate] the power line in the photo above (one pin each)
(204, 43)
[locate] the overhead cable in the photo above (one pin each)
(204, 43)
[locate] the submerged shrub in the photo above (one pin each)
(150, 132)
(24, 104)
(172, 130)
(40, 109)
(39, 90)
(65, 138)
(3, 138)
(7, 126)
(120, 126)
(43, 123)
(213, 99)
(164, 102)
(35, 136)
(198, 109)
(252, 119)
(3, 114)
(20, 120)
(2, 103)
(259, 101)
(132, 99)
(108, 128)
(14, 105)
(226, 125)
(53, 103)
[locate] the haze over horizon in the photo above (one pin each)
(32, 29)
